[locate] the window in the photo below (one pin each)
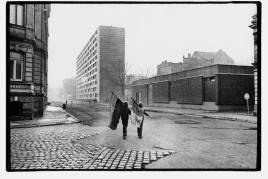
(16, 66)
(16, 14)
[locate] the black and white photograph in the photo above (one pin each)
(133, 86)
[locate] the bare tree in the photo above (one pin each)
(119, 74)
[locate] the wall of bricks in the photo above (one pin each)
(207, 71)
(230, 89)
(226, 90)
(161, 92)
(143, 94)
(188, 90)
(209, 89)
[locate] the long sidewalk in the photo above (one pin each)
(52, 116)
(231, 116)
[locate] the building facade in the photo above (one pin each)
(168, 67)
(100, 66)
(28, 40)
(197, 60)
(255, 64)
(215, 87)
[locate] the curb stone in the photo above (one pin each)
(204, 116)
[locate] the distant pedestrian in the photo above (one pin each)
(125, 112)
(141, 119)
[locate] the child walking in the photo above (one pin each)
(142, 112)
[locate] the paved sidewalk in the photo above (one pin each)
(53, 116)
(231, 116)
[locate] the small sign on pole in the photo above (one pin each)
(246, 96)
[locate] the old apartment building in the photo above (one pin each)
(100, 66)
(27, 57)
(255, 64)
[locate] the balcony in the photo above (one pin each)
(17, 31)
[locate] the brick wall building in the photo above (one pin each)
(215, 87)
(197, 60)
(100, 67)
(27, 59)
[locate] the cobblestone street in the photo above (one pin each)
(55, 147)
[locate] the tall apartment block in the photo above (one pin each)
(27, 59)
(100, 66)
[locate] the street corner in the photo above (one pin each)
(52, 147)
(56, 147)
(122, 159)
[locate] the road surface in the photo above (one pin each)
(198, 142)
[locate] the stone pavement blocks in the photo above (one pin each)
(55, 150)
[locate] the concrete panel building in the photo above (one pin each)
(27, 59)
(100, 66)
(215, 87)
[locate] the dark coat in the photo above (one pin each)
(125, 112)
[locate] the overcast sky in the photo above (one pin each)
(153, 33)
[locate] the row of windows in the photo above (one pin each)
(86, 74)
(16, 14)
(91, 84)
(92, 95)
(87, 61)
(92, 89)
(86, 57)
(81, 82)
(83, 85)
(86, 69)
(87, 49)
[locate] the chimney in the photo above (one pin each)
(189, 55)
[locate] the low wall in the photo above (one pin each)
(210, 106)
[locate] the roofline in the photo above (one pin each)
(195, 69)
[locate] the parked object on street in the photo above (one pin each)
(63, 106)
